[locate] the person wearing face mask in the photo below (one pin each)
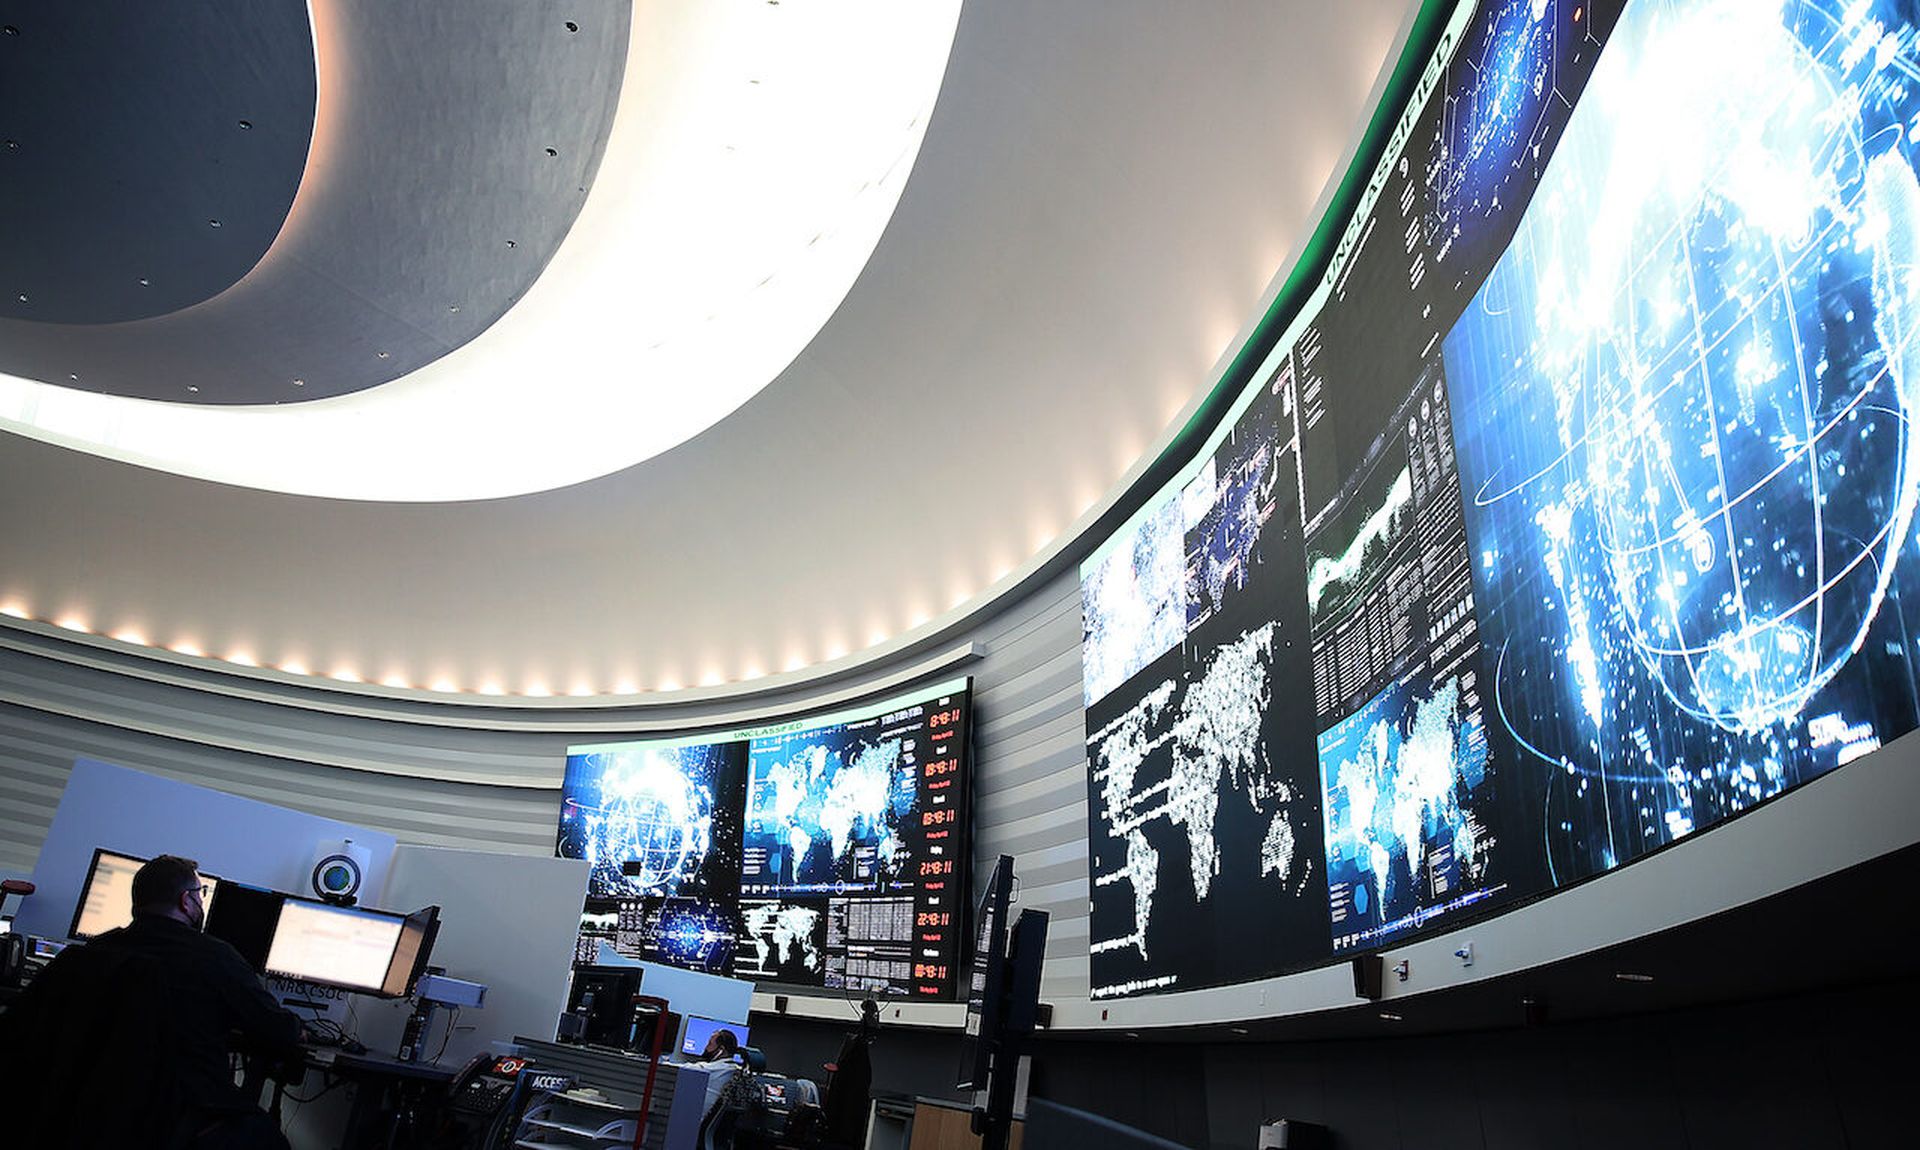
(125, 1040)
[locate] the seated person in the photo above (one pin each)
(720, 1061)
(123, 1041)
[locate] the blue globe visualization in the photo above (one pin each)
(1728, 303)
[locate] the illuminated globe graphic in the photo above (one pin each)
(1728, 303)
(649, 814)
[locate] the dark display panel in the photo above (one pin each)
(1203, 794)
(1407, 769)
(785, 940)
(828, 851)
(1597, 493)
(691, 933)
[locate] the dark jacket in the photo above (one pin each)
(124, 1040)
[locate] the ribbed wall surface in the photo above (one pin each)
(488, 778)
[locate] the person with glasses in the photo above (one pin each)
(124, 1040)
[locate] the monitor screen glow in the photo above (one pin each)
(699, 1030)
(341, 946)
(411, 951)
(106, 900)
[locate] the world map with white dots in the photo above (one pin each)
(826, 817)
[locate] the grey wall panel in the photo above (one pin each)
(32, 774)
(1030, 787)
(284, 730)
(39, 750)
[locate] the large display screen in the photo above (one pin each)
(1571, 515)
(827, 851)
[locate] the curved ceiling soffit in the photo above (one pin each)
(435, 132)
(756, 156)
(152, 153)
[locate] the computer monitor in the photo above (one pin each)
(347, 947)
(417, 933)
(245, 918)
(983, 995)
(699, 1030)
(602, 997)
(106, 898)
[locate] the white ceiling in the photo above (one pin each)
(755, 156)
(1103, 197)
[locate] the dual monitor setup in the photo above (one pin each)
(280, 935)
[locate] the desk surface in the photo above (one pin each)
(376, 1066)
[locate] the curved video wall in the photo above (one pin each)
(1571, 515)
(823, 851)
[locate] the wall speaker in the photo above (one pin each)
(1369, 974)
(338, 870)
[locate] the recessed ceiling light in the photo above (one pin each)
(1623, 976)
(13, 145)
(213, 223)
(1390, 1016)
(299, 383)
(1241, 1030)
(553, 151)
(572, 27)
(143, 281)
(191, 387)
(383, 355)
(246, 125)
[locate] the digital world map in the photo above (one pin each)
(1194, 824)
(1402, 841)
(829, 816)
(788, 939)
(1213, 733)
(1209, 730)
